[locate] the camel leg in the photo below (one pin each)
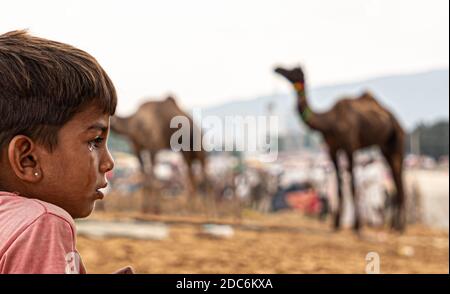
(337, 216)
(151, 201)
(137, 152)
(395, 161)
(207, 188)
(191, 185)
(357, 220)
(148, 191)
(192, 181)
(206, 181)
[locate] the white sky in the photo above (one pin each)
(207, 52)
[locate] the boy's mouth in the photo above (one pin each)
(99, 193)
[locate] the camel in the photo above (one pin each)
(352, 124)
(149, 131)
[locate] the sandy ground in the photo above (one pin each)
(275, 243)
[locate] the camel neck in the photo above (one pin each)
(306, 113)
(303, 106)
(120, 125)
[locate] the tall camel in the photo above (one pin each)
(352, 124)
(149, 131)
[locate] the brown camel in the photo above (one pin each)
(352, 124)
(149, 131)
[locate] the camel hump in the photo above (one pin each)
(367, 94)
(170, 98)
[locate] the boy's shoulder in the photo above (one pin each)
(17, 213)
(32, 208)
(36, 237)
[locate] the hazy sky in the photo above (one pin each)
(207, 52)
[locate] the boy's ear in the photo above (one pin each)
(23, 158)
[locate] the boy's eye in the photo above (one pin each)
(94, 144)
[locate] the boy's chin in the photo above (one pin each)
(85, 212)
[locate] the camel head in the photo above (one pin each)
(294, 75)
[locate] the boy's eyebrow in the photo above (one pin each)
(98, 126)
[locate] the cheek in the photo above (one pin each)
(85, 165)
(53, 168)
(75, 169)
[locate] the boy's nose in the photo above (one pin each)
(108, 163)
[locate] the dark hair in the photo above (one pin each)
(43, 84)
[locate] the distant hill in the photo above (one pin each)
(414, 98)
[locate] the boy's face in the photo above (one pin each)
(75, 170)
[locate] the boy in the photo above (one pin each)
(55, 105)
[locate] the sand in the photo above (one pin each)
(269, 243)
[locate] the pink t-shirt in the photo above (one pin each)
(36, 237)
